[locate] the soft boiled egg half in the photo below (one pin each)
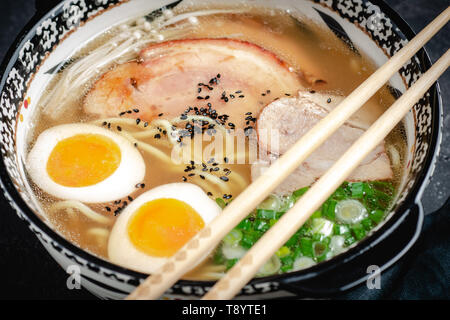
(157, 224)
(86, 163)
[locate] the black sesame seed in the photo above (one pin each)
(138, 121)
(224, 178)
(287, 94)
(312, 91)
(200, 98)
(108, 209)
(241, 96)
(191, 174)
(225, 159)
(104, 123)
(117, 201)
(122, 113)
(218, 76)
(135, 144)
(136, 110)
(130, 198)
(184, 179)
(129, 111)
(209, 193)
(157, 136)
(160, 115)
(329, 100)
(203, 177)
(119, 128)
(146, 125)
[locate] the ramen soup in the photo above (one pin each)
(147, 132)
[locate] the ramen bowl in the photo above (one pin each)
(43, 49)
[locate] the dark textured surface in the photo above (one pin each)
(29, 272)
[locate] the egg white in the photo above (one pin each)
(120, 249)
(119, 184)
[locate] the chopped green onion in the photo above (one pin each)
(233, 251)
(249, 239)
(357, 189)
(303, 263)
(322, 226)
(270, 267)
(350, 211)
(233, 237)
(367, 224)
(283, 252)
(320, 250)
(329, 209)
(298, 193)
(272, 202)
(306, 245)
(266, 214)
(230, 263)
(218, 257)
(221, 203)
(261, 225)
(245, 224)
(317, 214)
(358, 231)
(340, 229)
(376, 215)
(337, 244)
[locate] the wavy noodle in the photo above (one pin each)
(99, 232)
(151, 130)
(147, 147)
(224, 187)
(81, 207)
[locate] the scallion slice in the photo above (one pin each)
(350, 211)
(233, 251)
(302, 263)
(270, 267)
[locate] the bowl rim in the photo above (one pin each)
(413, 196)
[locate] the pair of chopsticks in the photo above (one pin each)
(155, 285)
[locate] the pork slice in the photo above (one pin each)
(167, 77)
(287, 120)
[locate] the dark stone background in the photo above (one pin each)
(29, 272)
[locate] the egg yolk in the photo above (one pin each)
(161, 227)
(83, 160)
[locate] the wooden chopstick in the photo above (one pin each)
(291, 221)
(155, 285)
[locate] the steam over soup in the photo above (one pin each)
(155, 126)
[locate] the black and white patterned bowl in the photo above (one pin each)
(366, 26)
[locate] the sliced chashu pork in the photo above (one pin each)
(289, 119)
(166, 79)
